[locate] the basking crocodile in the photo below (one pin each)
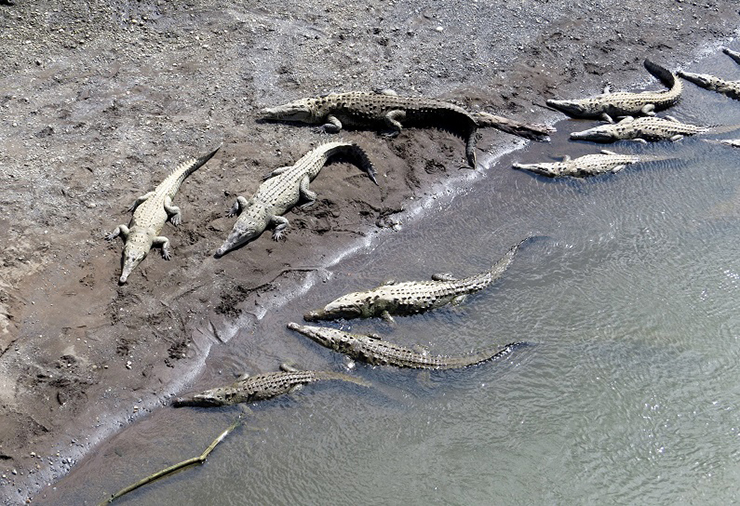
(411, 297)
(709, 82)
(261, 387)
(282, 189)
(625, 103)
(378, 109)
(645, 129)
(588, 165)
(151, 211)
(373, 350)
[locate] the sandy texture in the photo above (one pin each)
(99, 100)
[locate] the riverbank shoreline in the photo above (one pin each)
(102, 100)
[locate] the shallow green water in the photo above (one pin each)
(629, 394)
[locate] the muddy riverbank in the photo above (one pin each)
(99, 101)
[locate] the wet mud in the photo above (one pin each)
(99, 101)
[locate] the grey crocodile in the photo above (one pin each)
(151, 211)
(372, 349)
(622, 103)
(587, 165)
(710, 82)
(645, 129)
(385, 108)
(735, 143)
(283, 188)
(411, 297)
(261, 387)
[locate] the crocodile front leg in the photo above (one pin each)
(139, 201)
(280, 224)
(332, 125)
(239, 206)
(393, 121)
(648, 109)
(164, 243)
(305, 193)
(172, 211)
(121, 230)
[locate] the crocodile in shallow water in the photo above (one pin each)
(373, 350)
(151, 211)
(261, 387)
(411, 297)
(623, 103)
(587, 165)
(710, 82)
(282, 190)
(646, 129)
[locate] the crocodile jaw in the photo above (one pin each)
(293, 111)
(237, 237)
(546, 169)
(569, 107)
(132, 256)
(604, 133)
(318, 334)
(335, 310)
(203, 400)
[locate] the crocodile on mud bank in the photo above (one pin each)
(587, 165)
(710, 82)
(372, 349)
(411, 297)
(282, 189)
(151, 211)
(647, 129)
(261, 387)
(608, 105)
(387, 109)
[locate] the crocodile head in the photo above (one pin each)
(602, 133)
(133, 254)
(325, 336)
(348, 306)
(299, 110)
(570, 107)
(546, 169)
(245, 230)
(209, 399)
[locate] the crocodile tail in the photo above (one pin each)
(663, 74)
(732, 54)
(329, 375)
(722, 129)
(194, 164)
(509, 349)
(362, 160)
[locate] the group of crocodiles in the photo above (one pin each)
(645, 128)
(286, 186)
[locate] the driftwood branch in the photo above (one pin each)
(172, 469)
(532, 131)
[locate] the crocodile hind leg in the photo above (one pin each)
(280, 225)
(172, 211)
(393, 122)
(305, 193)
(121, 230)
(239, 206)
(139, 201)
(164, 243)
(332, 125)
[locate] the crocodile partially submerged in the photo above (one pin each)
(386, 109)
(261, 387)
(645, 129)
(372, 349)
(411, 297)
(283, 188)
(608, 105)
(151, 211)
(587, 165)
(710, 82)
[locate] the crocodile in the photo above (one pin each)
(357, 109)
(261, 387)
(411, 297)
(372, 349)
(588, 165)
(710, 82)
(151, 211)
(281, 190)
(624, 103)
(645, 129)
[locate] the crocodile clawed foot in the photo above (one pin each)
(278, 235)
